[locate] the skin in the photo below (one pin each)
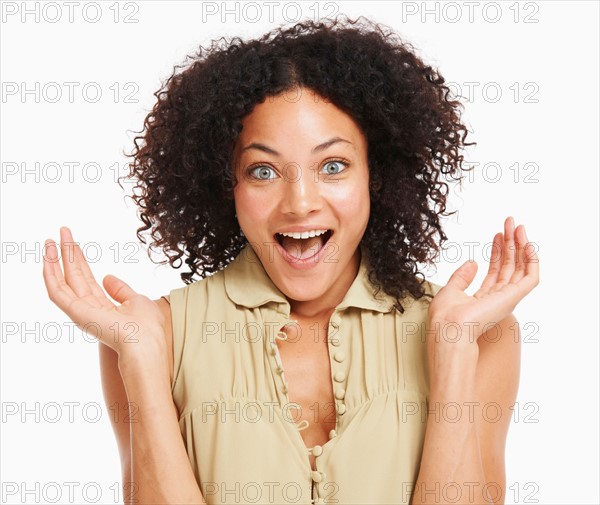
(482, 368)
(275, 192)
(297, 187)
(464, 456)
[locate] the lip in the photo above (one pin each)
(306, 263)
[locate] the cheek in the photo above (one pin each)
(352, 201)
(250, 206)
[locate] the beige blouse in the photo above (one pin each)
(238, 425)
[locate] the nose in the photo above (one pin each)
(302, 191)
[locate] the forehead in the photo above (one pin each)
(299, 115)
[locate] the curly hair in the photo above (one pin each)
(183, 169)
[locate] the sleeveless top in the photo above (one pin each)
(241, 431)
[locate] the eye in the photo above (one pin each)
(335, 162)
(260, 172)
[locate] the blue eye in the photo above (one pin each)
(340, 162)
(262, 170)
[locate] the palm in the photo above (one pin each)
(513, 272)
(80, 297)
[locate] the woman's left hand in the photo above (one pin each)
(513, 272)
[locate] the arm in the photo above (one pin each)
(115, 398)
(122, 419)
(463, 453)
(160, 469)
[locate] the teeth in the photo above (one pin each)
(305, 234)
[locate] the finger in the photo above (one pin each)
(72, 265)
(508, 253)
(514, 292)
(88, 277)
(532, 266)
(51, 260)
(118, 289)
(505, 299)
(494, 266)
(58, 290)
(520, 243)
(463, 276)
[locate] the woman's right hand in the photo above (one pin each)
(137, 323)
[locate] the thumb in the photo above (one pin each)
(118, 290)
(463, 275)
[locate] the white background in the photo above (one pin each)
(552, 451)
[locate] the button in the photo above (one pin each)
(339, 356)
(284, 388)
(332, 434)
(316, 476)
(339, 376)
(340, 393)
(341, 408)
(302, 425)
(273, 349)
(279, 369)
(334, 341)
(317, 450)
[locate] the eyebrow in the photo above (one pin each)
(320, 147)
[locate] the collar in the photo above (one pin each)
(248, 284)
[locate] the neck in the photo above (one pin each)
(324, 306)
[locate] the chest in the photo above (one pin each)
(306, 363)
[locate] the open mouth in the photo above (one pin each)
(303, 248)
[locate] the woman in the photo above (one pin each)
(300, 175)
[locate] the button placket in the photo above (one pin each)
(278, 363)
(317, 476)
(274, 320)
(338, 374)
(280, 371)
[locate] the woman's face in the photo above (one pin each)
(301, 165)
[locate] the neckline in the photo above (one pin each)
(247, 270)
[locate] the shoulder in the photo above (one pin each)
(430, 290)
(174, 306)
(199, 293)
(431, 287)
